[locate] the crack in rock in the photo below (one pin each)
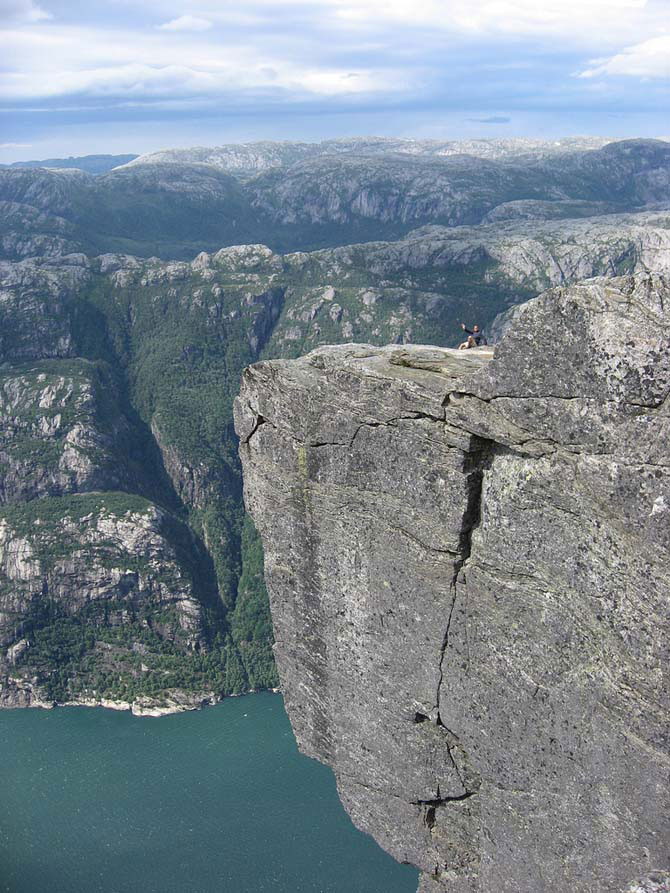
(389, 422)
(475, 463)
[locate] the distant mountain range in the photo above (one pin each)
(247, 159)
(92, 164)
(365, 190)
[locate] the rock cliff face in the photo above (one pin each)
(116, 561)
(468, 564)
(121, 535)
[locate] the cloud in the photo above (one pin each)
(548, 17)
(649, 59)
(581, 22)
(72, 62)
(493, 119)
(17, 11)
(16, 145)
(186, 23)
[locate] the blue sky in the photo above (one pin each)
(78, 78)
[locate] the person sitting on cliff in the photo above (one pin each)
(475, 337)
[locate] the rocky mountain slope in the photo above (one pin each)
(174, 209)
(456, 189)
(417, 288)
(121, 568)
(467, 556)
(247, 159)
(116, 388)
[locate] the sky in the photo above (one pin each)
(79, 77)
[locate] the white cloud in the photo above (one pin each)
(285, 49)
(580, 21)
(131, 80)
(550, 17)
(15, 145)
(60, 62)
(649, 59)
(22, 11)
(186, 23)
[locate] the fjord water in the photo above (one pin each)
(95, 801)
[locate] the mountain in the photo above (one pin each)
(468, 561)
(247, 159)
(175, 209)
(92, 164)
(397, 193)
(120, 477)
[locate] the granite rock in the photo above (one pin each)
(467, 559)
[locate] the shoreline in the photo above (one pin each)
(17, 697)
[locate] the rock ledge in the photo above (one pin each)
(468, 563)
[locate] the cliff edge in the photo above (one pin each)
(468, 564)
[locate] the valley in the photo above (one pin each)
(130, 303)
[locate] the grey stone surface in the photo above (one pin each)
(467, 558)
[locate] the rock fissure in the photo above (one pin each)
(375, 789)
(475, 464)
(315, 445)
(443, 801)
(654, 406)
(511, 574)
(580, 398)
(443, 651)
(435, 802)
(455, 394)
(390, 423)
(257, 424)
(421, 543)
(454, 745)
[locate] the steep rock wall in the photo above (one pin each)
(467, 559)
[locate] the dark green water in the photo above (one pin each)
(216, 800)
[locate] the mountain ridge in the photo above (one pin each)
(92, 164)
(176, 210)
(262, 154)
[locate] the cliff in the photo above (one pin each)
(127, 574)
(467, 559)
